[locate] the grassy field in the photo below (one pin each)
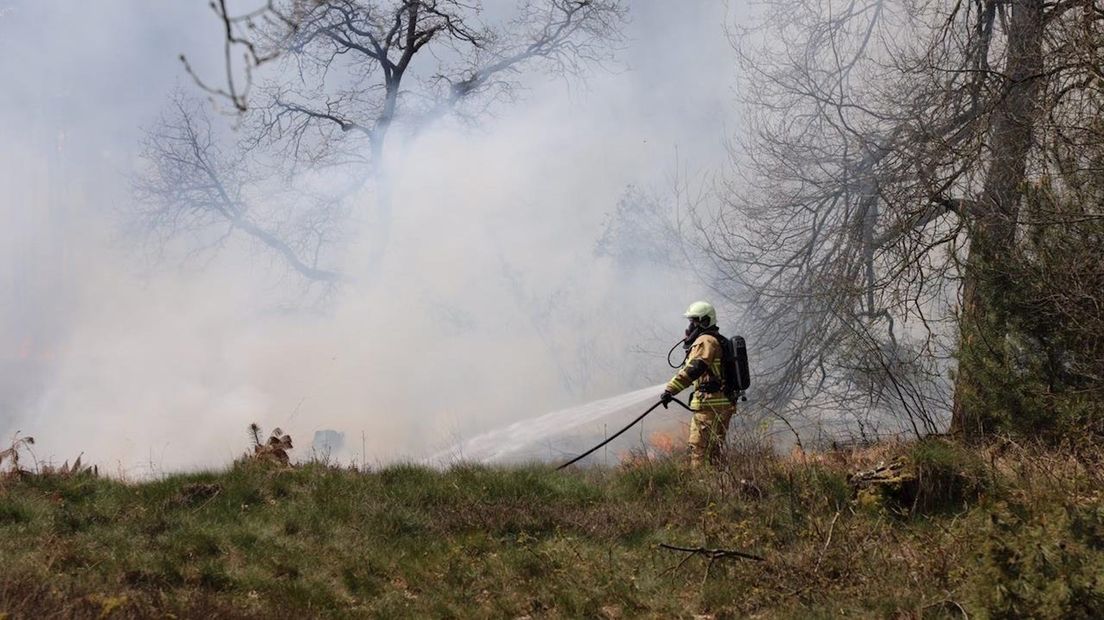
(1002, 532)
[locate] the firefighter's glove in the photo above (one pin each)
(666, 398)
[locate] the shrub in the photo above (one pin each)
(1042, 563)
(1039, 353)
(948, 475)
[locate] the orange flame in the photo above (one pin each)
(663, 444)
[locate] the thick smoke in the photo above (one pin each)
(523, 272)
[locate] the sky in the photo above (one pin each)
(493, 303)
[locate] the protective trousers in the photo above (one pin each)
(708, 429)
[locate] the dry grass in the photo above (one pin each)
(9, 457)
(13, 469)
(264, 540)
(274, 449)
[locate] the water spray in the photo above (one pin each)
(627, 427)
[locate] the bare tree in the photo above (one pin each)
(192, 185)
(883, 166)
(342, 75)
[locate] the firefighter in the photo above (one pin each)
(702, 368)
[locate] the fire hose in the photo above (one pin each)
(618, 433)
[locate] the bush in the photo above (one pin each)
(1043, 563)
(1039, 354)
(948, 475)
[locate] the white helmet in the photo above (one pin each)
(701, 310)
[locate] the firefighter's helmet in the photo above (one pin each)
(700, 310)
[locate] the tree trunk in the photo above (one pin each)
(993, 223)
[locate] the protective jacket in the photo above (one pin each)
(702, 368)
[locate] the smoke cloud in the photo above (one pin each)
(523, 272)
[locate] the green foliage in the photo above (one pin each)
(14, 513)
(1039, 353)
(1046, 562)
(652, 479)
(948, 475)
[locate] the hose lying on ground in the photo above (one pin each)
(618, 433)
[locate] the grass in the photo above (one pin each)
(1004, 532)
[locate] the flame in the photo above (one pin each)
(659, 445)
(662, 444)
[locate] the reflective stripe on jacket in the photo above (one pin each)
(704, 357)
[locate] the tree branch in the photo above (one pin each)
(714, 554)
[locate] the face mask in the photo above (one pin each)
(692, 331)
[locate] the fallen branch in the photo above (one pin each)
(948, 603)
(827, 541)
(714, 554)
